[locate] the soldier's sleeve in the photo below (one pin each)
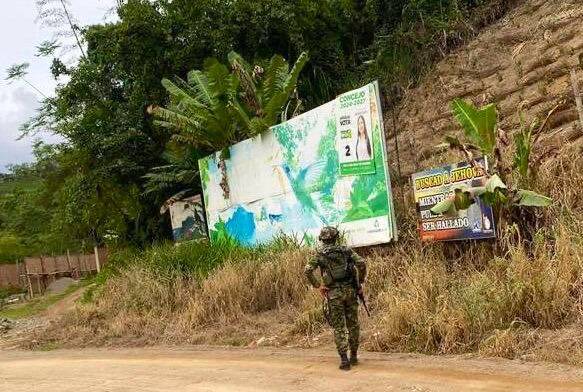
(309, 270)
(360, 266)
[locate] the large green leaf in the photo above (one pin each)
(180, 94)
(275, 105)
(445, 207)
(275, 77)
(532, 199)
(479, 124)
(178, 120)
(240, 114)
(219, 79)
(198, 80)
(494, 184)
(294, 74)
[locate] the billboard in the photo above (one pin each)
(187, 218)
(434, 185)
(289, 180)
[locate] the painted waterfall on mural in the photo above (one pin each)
(288, 181)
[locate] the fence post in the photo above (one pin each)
(41, 277)
(69, 263)
(79, 264)
(97, 265)
(29, 283)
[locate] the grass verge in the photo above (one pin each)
(37, 305)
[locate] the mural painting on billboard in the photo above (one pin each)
(434, 185)
(188, 220)
(288, 181)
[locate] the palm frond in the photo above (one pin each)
(257, 126)
(292, 79)
(240, 113)
(247, 83)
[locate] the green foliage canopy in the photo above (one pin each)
(102, 181)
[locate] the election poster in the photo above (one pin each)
(434, 185)
(353, 121)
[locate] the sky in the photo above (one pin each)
(19, 36)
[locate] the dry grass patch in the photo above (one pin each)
(516, 299)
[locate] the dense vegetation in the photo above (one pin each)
(98, 185)
(117, 165)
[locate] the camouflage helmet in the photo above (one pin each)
(328, 234)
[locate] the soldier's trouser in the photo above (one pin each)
(343, 304)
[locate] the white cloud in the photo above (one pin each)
(20, 36)
(16, 106)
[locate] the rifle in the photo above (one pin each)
(362, 299)
(326, 311)
(357, 286)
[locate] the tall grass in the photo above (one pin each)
(510, 300)
(419, 301)
(433, 310)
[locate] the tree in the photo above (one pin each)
(27, 211)
(216, 108)
(100, 110)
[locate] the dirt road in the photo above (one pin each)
(217, 370)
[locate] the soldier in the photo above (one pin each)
(338, 265)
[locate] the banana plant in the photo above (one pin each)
(221, 105)
(494, 193)
(480, 128)
(265, 92)
(479, 125)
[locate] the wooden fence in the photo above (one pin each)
(11, 275)
(35, 274)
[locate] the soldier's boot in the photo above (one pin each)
(353, 358)
(344, 362)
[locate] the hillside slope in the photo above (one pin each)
(522, 63)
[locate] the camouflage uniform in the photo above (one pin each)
(332, 259)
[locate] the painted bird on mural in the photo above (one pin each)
(302, 183)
